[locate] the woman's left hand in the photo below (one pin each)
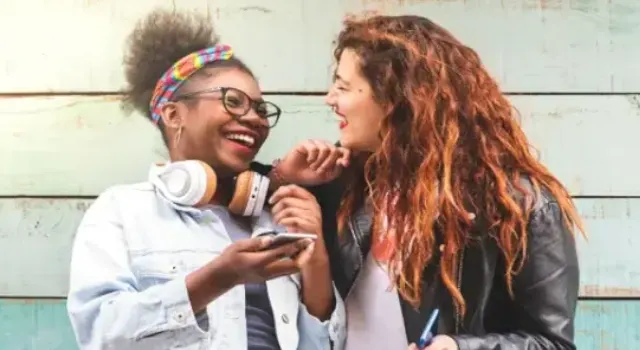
(297, 209)
(440, 342)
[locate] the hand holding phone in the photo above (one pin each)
(298, 211)
(282, 238)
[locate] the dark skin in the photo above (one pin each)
(199, 129)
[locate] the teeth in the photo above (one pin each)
(246, 139)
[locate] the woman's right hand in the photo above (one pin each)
(252, 261)
(244, 261)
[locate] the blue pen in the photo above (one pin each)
(427, 333)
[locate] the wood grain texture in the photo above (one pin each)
(36, 237)
(43, 324)
(528, 45)
(78, 145)
(609, 262)
(35, 324)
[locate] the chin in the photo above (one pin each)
(232, 167)
(345, 141)
(352, 144)
(240, 166)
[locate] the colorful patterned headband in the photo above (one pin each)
(175, 76)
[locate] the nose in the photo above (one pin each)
(330, 97)
(254, 120)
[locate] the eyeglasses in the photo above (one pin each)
(237, 103)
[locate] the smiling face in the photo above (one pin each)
(352, 99)
(208, 122)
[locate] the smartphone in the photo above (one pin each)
(282, 238)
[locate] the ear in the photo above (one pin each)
(173, 115)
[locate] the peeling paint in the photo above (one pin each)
(255, 8)
(635, 102)
(609, 292)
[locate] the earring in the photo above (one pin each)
(176, 139)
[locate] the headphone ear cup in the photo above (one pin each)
(241, 193)
(190, 182)
(211, 184)
(261, 197)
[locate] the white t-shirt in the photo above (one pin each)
(374, 316)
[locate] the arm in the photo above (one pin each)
(308, 163)
(321, 318)
(546, 290)
(106, 308)
(316, 328)
(323, 334)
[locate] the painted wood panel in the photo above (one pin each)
(43, 324)
(529, 45)
(79, 145)
(36, 238)
(607, 325)
(35, 324)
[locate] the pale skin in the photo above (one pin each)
(352, 98)
(313, 162)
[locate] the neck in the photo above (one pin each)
(223, 191)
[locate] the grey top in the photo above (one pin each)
(261, 329)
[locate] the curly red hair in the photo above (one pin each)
(451, 146)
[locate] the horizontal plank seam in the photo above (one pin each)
(71, 197)
(310, 93)
(610, 298)
(33, 298)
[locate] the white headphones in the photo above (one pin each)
(193, 183)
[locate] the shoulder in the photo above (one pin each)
(530, 196)
(122, 198)
(547, 219)
(122, 193)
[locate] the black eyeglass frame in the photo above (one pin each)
(253, 104)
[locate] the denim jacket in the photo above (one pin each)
(130, 257)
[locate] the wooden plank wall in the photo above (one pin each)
(570, 66)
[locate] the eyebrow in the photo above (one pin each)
(337, 76)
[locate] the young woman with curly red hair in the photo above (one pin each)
(443, 206)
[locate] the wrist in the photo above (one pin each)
(275, 176)
(221, 275)
(319, 262)
(208, 283)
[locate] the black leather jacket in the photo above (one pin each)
(541, 314)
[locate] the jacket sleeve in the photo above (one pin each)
(545, 290)
(106, 307)
(326, 335)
